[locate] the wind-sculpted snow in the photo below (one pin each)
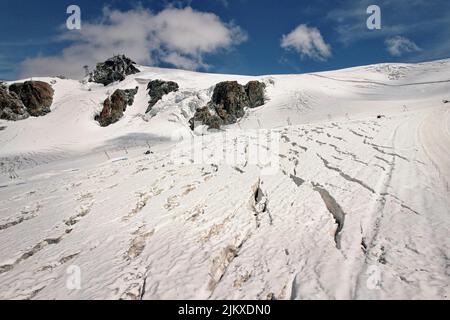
(310, 196)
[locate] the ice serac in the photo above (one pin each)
(11, 107)
(112, 70)
(37, 96)
(159, 88)
(115, 106)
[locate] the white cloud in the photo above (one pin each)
(183, 62)
(181, 37)
(398, 45)
(308, 42)
(192, 32)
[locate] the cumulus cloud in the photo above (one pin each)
(308, 42)
(184, 62)
(398, 45)
(180, 37)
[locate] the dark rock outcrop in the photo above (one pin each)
(37, 96)
(129, 94)
(255, 92)
(229, 101)
(112, 70)
(115, 105)
(157, 89)
(11, 107)
(204, 116)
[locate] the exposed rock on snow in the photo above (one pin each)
(37, 96)
(115, 106)
(21, 100)
(129, 94)
(159, 88)
(11, 107)
(204, 116)
(229, 101)
(112, 70)
(255, 93)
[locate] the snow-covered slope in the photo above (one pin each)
(352, 206)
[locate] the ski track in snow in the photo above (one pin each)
(358, 209)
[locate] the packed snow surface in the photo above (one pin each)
(311, 196)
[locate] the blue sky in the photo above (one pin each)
(228, 36)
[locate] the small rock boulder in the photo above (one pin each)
(256, 93)
(37, 96)
(229, 99)
(115, 105)
(11, 107)
(112, 70)
(204, 116)
(129, 94)
(157, 89)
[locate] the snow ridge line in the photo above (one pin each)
(381, 83)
